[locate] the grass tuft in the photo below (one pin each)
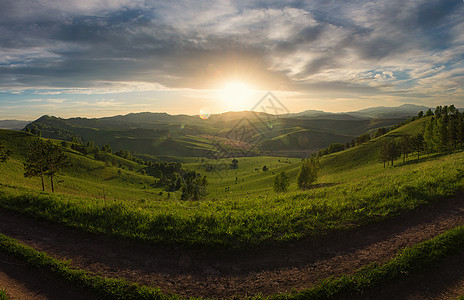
(4, 295)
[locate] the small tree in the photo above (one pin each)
(106, 148)
(234, 164)
(194, 187)
(380, 132)
(281, 182)
(308, 173)
(56, 160)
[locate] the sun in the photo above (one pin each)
(237, 95)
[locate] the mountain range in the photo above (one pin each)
(227, 134)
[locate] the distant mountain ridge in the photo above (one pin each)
(405, 110)
(162, 134)
(13, 124)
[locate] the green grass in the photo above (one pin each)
(242, 210)
(107, 288)
(367, 153)
(3, 294)
(356, 197)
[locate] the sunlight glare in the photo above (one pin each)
(237, 95)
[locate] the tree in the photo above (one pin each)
(234, 164)
(56, 161)
(441, 133)
(35, 164)
(380, 132)
(335, 147)
(417, 143)
(363, 138)
(453, 132)
(384, 154)
(429, 113)
(281, 182)
(429, 137)
(106, 148)
(194, 186)
(307, 174)
(45, 158)
(389, 152)
(405, 144)
(460, 128)
(420, 114)
(4, 154)
(175, 182)
(438, 111)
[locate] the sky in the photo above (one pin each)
(93, 58)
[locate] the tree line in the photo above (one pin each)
(443, 131)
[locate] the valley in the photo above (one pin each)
(241, 237)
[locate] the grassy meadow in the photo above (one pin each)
(241, 209)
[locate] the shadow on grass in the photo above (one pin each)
(98, 168)
(423, 158)
(322, 185)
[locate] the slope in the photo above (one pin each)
(162, 134)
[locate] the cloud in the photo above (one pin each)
(383, 47)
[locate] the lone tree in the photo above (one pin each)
(194, 186)
(4, 154)
(234, 164)
(45, 158)
(281, 182)
(56, 160)
(35, 164)
(308, 174)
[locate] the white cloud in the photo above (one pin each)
(56, 101)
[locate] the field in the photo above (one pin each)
(241, 211)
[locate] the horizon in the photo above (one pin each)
(197, 115)
(97, 59)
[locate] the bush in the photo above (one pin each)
(308, 173)
(281, 182)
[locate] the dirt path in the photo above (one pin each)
(24, 282)
(446, 281)
(225, 274)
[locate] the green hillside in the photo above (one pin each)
(241, 208)
(367, 153)
(87, 176)
(165, 135)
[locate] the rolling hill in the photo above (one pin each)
(241, 212)
(161, 134)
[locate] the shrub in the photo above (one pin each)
(308, 173)
(281, 182)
